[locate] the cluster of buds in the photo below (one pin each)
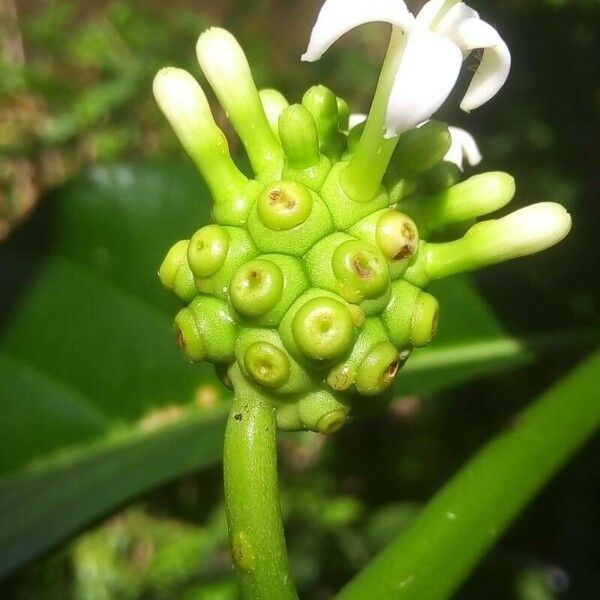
(311, 279)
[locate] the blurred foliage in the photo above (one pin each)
(75, 91)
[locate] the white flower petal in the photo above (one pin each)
(454, 17)
(429, 12)
(495, 63)
(337, 17)
(427, 73)
(463, 146)
(356, 119)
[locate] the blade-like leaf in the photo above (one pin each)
(469, 514)
(42, 506)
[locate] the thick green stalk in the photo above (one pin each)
(434, 556)
(252, 496)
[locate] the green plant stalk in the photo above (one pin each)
(252, 496)
(434, 556)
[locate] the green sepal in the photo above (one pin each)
(297, 240)
(240, 250)
(354, 136)
(175, 274)
(322, 412)
(294, 282)
(297, 379)
(206, 330)
(322, 104)
(343, 209)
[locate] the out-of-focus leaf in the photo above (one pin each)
(86, 341)
(43, 505)
(87, 354)
(473, 509)
(472, 343)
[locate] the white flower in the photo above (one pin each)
(462, 146)
(436, 42)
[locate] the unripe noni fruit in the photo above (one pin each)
(308, 281)
(306, 292)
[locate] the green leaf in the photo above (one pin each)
(86, 343)
(43, 505)
(472, 343)
(470, 513)
(87, 356)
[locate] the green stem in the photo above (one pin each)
(362, 177)
(252, 496)
(434, 556)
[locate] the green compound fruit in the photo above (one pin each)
(307, 281)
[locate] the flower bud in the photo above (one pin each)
(421, 148)
(206, 330)
(226, 68)
(184, 104)
(477, 196)
(323, 329)
(525, 231)
(274, 103)
(299, 137)
(322, 104)
(322, 412)
(300, 142)
(378, 370)
(175, 274)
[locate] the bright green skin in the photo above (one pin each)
(315, 295)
